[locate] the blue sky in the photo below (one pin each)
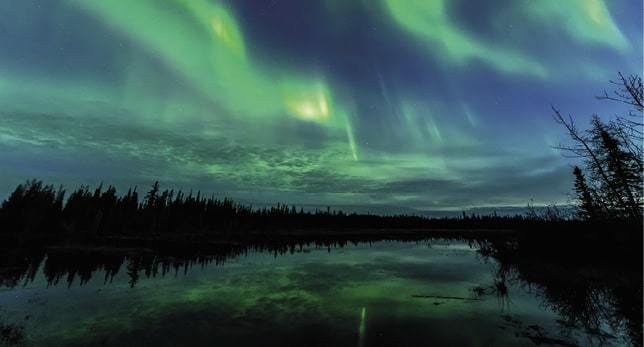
(384, 105)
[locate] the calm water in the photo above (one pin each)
(385, 293)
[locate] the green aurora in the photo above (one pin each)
(381, 105)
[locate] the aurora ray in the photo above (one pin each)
(384, 106)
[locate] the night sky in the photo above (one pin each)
(379, 105)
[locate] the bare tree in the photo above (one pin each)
(630, 127)
(612, 153)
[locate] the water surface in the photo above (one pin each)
(385, 293)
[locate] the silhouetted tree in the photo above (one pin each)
(587, 205)
(151, 197)
(629, 91)
(612, 153)
(32, 208)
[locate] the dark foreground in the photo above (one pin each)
(344, 289)
(93, 270)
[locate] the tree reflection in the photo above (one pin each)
(597, 294)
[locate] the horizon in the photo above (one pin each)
(383, 105)
(378, 210)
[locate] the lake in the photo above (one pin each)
(389, 293)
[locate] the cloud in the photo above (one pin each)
(393, 105)
(297, 173)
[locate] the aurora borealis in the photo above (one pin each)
(383, 105)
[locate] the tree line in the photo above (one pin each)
(35, 208)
